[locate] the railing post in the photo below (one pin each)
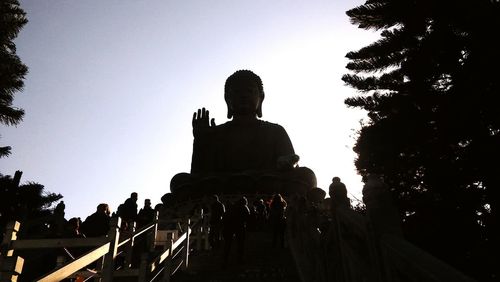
(168, 263)
(199, 237)
(186, 251)
(11, 266)
(153, 234)
(129, 249)
(10, 235)
(109, 263)
(206, 242)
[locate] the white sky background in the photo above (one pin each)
(112, 86)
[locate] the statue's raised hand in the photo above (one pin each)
(201, 124)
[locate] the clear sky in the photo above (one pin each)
(112, 86)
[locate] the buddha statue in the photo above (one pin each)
(245, 154)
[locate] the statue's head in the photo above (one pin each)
(244, 94)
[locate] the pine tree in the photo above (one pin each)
(430, 87)
(12, 70)
(27, 203)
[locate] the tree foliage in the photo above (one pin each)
(27, 203)
(12, 70)
(431, 89)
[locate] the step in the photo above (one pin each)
(261, 262)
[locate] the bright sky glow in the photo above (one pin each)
(113, 84)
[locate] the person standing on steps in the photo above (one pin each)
(234, 227)
(217, 210)
(277, 218)
(128, 210)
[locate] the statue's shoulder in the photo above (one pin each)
(272, 126)
(257, 123)
(269, 124)
(259, 126)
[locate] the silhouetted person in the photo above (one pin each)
(128, 210)
(97, 224)
(316, 196)
(146, 214)
(159, 207)
(198, 210)
(72, 230)
(260, 213)
(60, 208)
(338, 193)
(58, 221)
(217, 210)
(277, 218)
(234, 227)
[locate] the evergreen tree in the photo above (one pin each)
(12, 70)
(430, 86)
(27, 203)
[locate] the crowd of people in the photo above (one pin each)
(229, 222)
(98, 223)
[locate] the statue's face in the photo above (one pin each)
(244, 98)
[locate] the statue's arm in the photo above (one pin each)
(286, 157)
(203, 129)
(284, 145)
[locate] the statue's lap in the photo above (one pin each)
(191, 186)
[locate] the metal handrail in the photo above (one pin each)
(105, 247)
(76, 265)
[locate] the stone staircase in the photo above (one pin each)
(261, 262)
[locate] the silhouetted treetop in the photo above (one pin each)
(430, 87)
(28, 203)
(12, 70)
